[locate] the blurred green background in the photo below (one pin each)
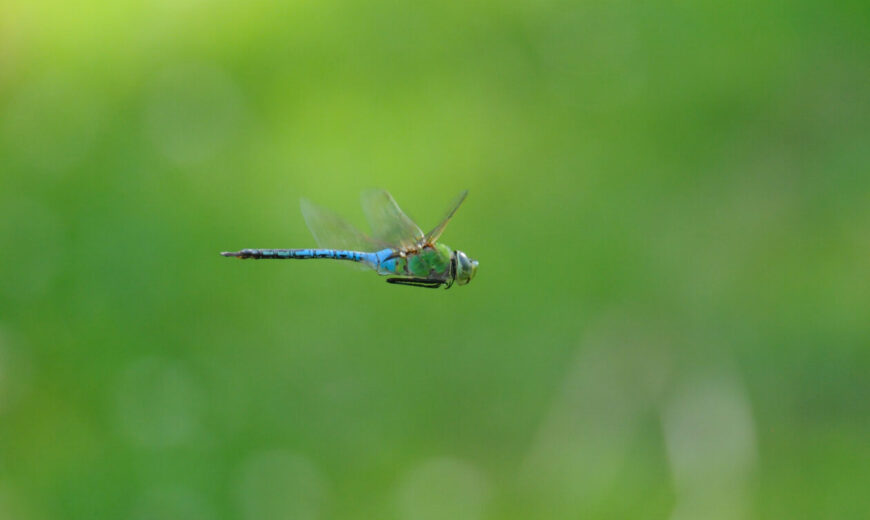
(670, 202)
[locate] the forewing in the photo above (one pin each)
(388, 222)
(333, 232)
(433, 235)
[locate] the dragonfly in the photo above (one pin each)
(397, 247)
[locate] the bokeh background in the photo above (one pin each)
(670, 202)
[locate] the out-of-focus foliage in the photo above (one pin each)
(670, 202)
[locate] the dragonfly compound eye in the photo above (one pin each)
(465, 268)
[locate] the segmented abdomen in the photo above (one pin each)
(301, 254)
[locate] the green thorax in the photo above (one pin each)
(432, 262)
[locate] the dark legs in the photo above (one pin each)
(417, 282)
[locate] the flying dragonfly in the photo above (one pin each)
(397, 247)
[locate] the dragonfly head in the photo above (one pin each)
(465, 269)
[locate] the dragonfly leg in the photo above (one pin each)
(429, 283)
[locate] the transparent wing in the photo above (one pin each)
(389, 224)
(333, 232)
(433, 235)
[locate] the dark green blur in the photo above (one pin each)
(670, 203)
